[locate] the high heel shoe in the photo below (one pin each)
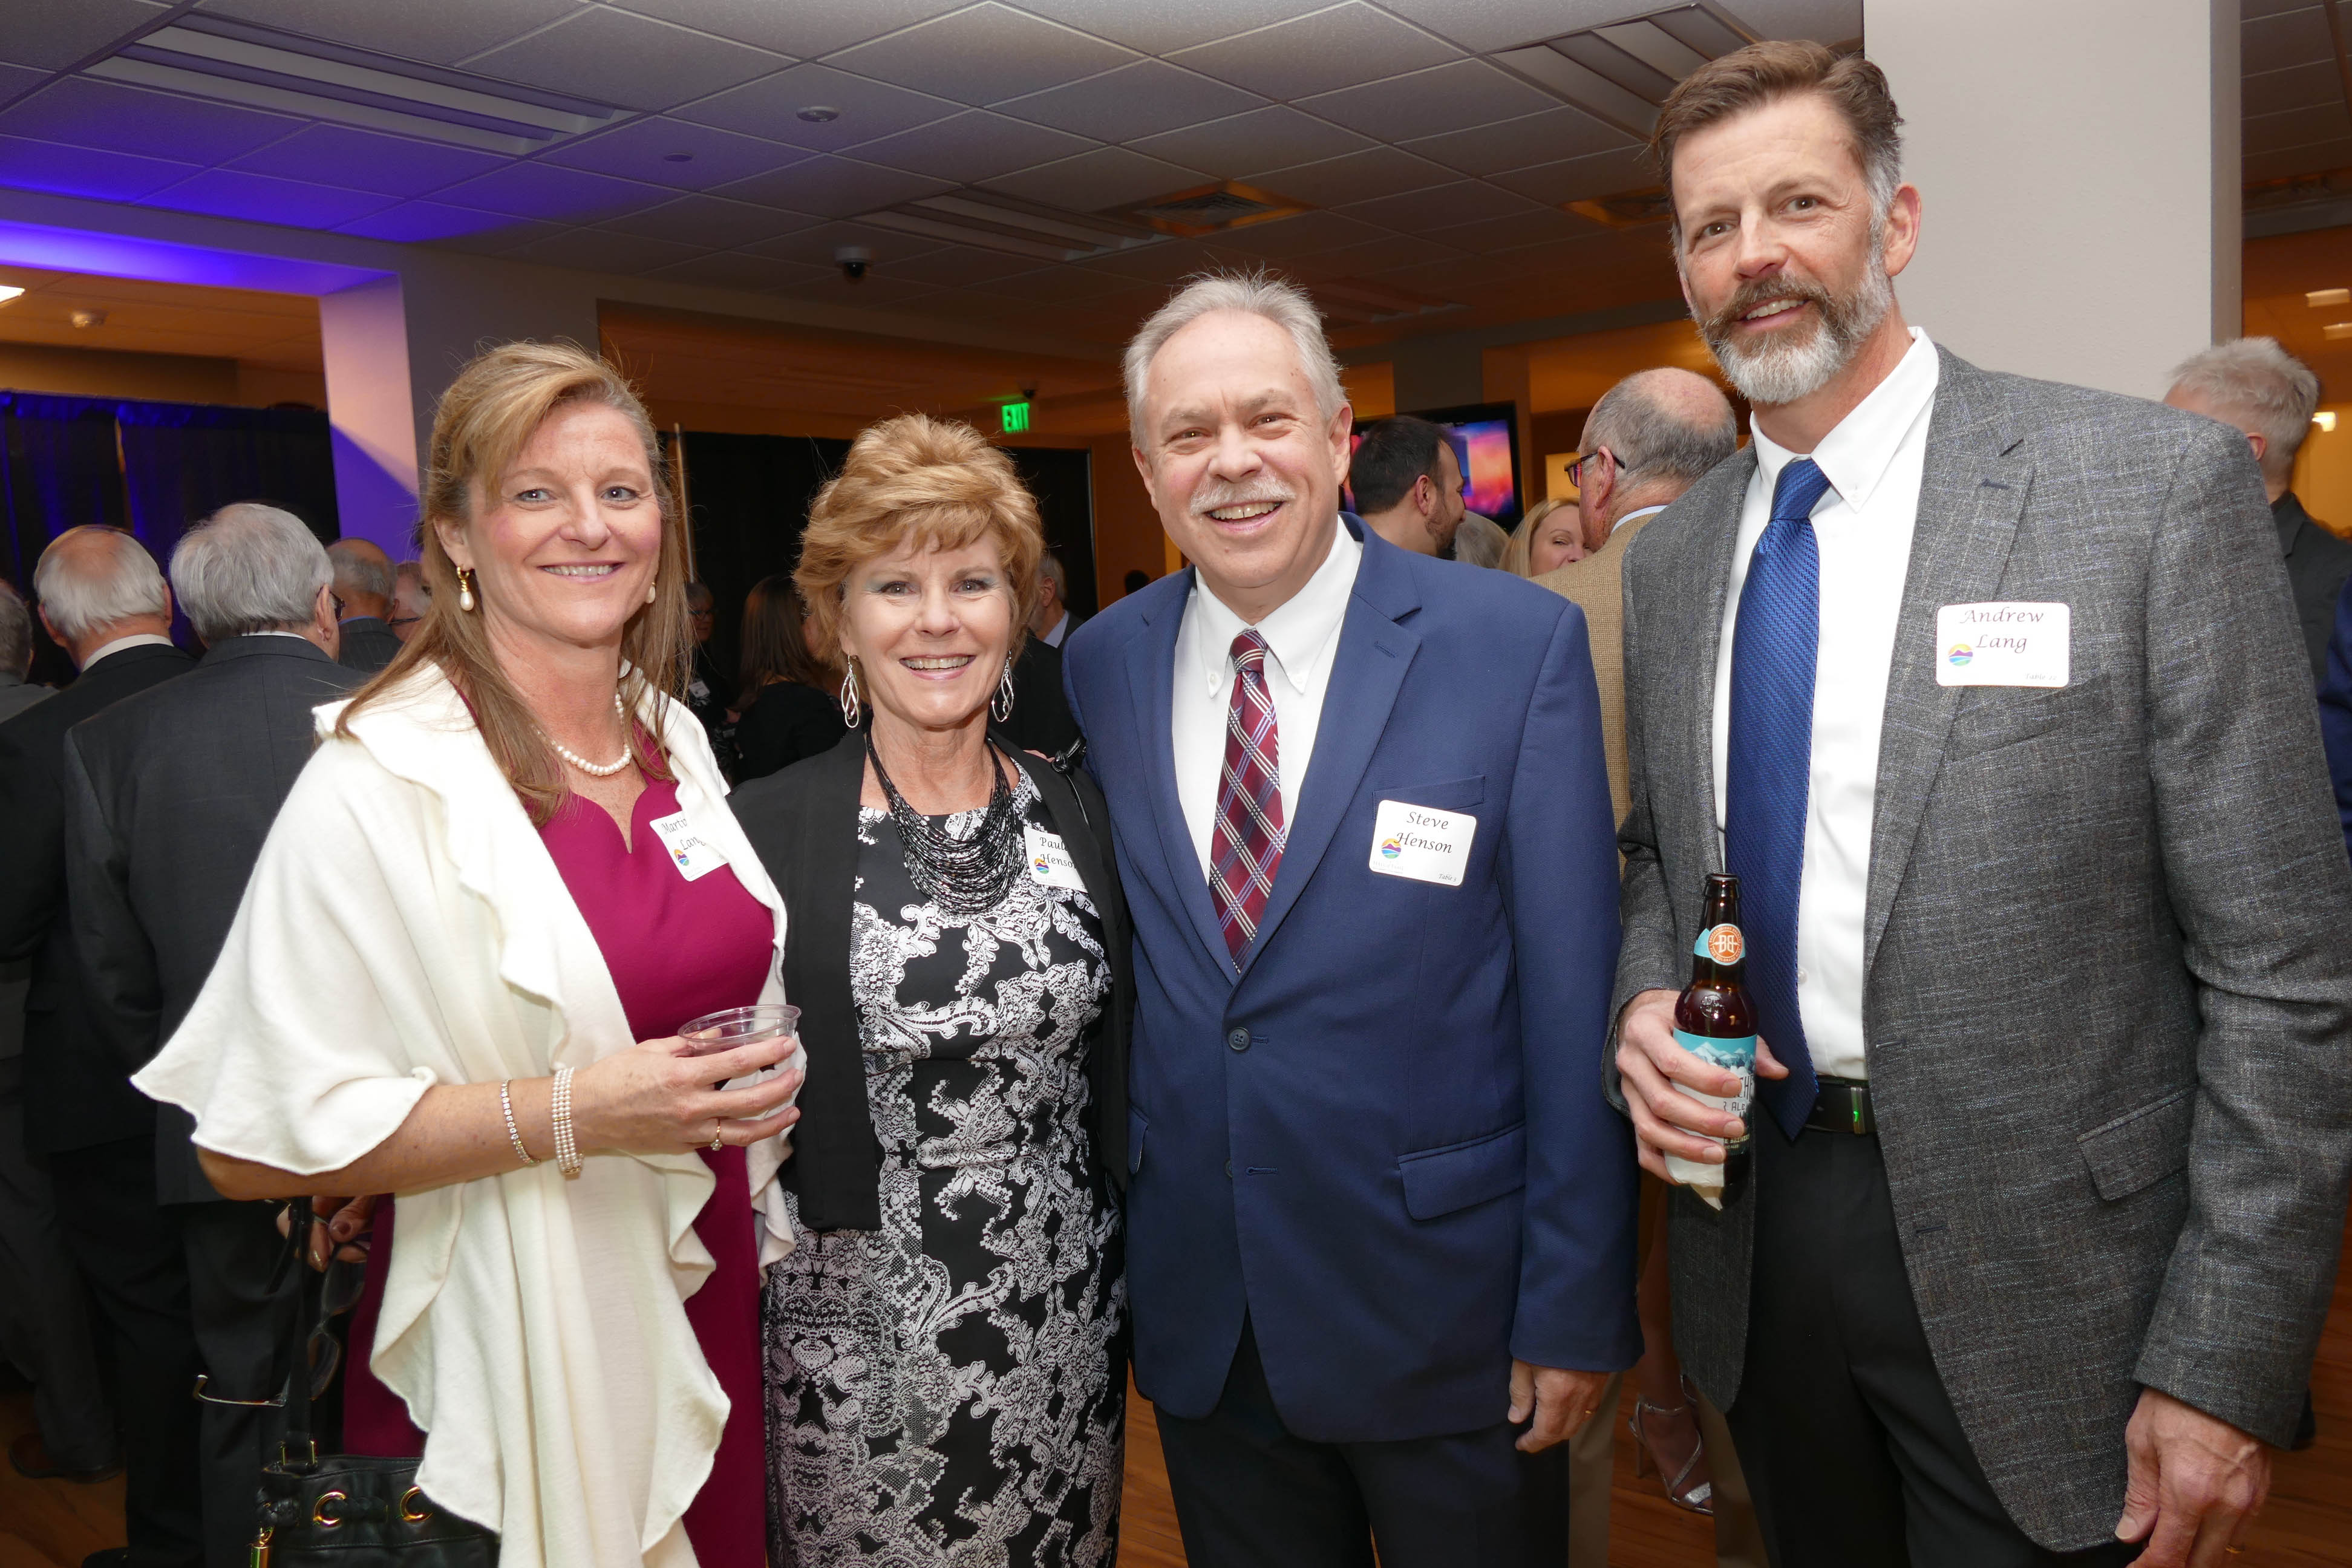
(1694, 1497)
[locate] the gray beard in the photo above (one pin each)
(1782, 372)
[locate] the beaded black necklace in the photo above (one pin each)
(963, 876)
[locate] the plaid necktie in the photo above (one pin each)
(1247, 845)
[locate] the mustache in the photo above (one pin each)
(1214, 493)
(1763, 290)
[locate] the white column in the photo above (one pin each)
(2077, 164)
(363, 333)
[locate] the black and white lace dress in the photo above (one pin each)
(943, 1391)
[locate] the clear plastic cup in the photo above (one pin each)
(741, 1026)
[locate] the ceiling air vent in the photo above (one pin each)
(1213, 209)
(218, 57)
(1622, 72)
(1016, 227)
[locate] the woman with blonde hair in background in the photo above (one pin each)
(505, 878)
(1551, 535)
(945, 1362)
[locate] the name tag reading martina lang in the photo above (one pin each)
(1422, 843)
(2004, 643)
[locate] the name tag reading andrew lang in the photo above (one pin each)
(2006, 643)
(1422, 843)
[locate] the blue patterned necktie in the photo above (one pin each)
(1769, 772)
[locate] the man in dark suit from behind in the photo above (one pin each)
(104, 601)
(2267, 393)
(169, 795)
(364, 584)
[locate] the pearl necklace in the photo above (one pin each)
(594, 770)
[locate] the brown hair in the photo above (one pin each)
(487, 416)
(934, 480)
(775, 640)
(1766, 72)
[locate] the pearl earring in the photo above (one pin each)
(649, 593)
(465, 588)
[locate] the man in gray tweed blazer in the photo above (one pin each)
(1986, 689)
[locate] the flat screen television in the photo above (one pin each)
(1485, 440)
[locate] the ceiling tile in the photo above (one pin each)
(83, 171)
(602, 251)
(495, 241)
(1579, 179)
(1054, 285)
(1329, 50)
(1545, 138)
(983, 54)
(1533, 226)
(429, 222)
(972, 146)
(2274, 43)
(1376, 256)
(2295, 127)
(1165, 26)
(367, 161)
(961, 266)
(54, 34)
(1164, 263)
(869, 293)
(1491, 25)
(617, 57)
(1300, 236)
(1230, 148)
(836, 188)
(865, 110)
(1438, 207)
(1091, 181)
(734, 269)
(16, 80)
(814, 246)
(260, 198)
(2297, 87)
(646, 150)
(2298, 161)
(544, 190)
(1353, 177)
(712, 222)
(441, 31)
(122, 119)
(1139, 99)
(1452, 97)
(801, 27)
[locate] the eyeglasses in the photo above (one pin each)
(1576, 469)
(404, 620)
(337, 600)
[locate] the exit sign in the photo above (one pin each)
(1016, 417)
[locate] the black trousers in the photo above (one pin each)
(1249, 1494)
(1852, 1453)
(45, 1314)
(131, 1253)
(241, 1327)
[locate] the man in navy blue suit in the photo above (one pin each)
(1380, 1221)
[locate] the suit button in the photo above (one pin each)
(1238, 1039)
(1229, 1170)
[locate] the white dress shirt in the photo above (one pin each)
(1862, 527)
(1301, 636)
(1060, 629)
(136, 640)
(1637, 514)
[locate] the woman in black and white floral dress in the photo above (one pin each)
(946, 1356)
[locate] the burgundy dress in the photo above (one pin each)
(676, 950)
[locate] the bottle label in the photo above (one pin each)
(1737, 1056)
(1722, 943)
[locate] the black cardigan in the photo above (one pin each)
(804, 824)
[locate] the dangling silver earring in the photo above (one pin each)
(1003, 707)
(465, 589)
(851, 710)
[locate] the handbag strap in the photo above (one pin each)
(299, 1448)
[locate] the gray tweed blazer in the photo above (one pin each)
(2109, 991)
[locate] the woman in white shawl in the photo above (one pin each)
(502, 883)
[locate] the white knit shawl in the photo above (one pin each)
(404, 927)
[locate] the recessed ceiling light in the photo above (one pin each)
(2325, 419)
(819, 113)
(2336, 330)
(88, 318)
(678, 157)
(8, 292)
(2319, 297)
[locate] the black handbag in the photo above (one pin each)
(346, 1510)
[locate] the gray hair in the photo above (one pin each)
(1253, 294)
(249, 568)
(1049, 566)
(16, 632)
(2256, 379)
(1480, 540)
(356, 565)
(1651, 438)
(411, 574)
(83, 591)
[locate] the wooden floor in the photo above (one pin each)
(2309, 1524)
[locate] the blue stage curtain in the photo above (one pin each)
(182, 461)
(58, 469)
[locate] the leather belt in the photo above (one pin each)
(1842, 1106)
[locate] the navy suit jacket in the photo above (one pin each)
(2335, 711)
(1384, 1141)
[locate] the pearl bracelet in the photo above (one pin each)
(567, 1152)
(514, 1134)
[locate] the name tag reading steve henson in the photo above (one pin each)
(2005, 643)
(1422, 843)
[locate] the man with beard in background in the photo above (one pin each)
(1986, 689)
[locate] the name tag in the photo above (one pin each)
(1050, 865)
(1422, 843)
(693, 858)
(2006, 643)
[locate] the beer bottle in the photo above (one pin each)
(1715, 1022)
